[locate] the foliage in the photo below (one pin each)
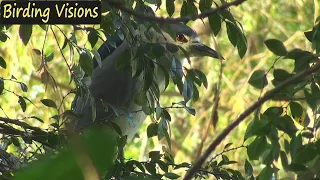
(286, 130)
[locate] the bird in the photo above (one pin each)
(114, 89)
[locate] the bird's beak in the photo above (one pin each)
(203, 50)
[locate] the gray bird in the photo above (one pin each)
(117, 87)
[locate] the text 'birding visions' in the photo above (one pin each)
(50, 12)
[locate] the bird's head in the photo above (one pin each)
(189, 40)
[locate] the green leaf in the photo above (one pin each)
(281, 74)
(153, 1)
(295, 145)
(25, 32)
(93, 37)
(97, 57)
(232, 32)
(49, 57)
(158, 50)
(241, 44)
(3, 63)
(256, 148)
(170, 7)
(171, 175)
(296, 167)
(140, 98)
(187, 89)
(273, 112)
(286, 125)
(248, 168)
(296, 109)
(3, 37)
(151, 168)
(312, 101)
(172, 48)
(86, 63)
(227, 15)
(266, 173)
(258, 79)
(152, 130)
(22, 103)
(306, 154)
(188, 9)
(284, 160)
(49, 103)
(205, 5)
(215, 23)
(154, 155)
(276, 47)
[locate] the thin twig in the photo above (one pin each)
(268, 95)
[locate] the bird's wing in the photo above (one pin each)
(108, 85)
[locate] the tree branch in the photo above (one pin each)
(268, 95)
(143, 16)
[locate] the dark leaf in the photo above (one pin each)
(248, 169)
(152, 130)
(97, 57)
(25, 32)
(281, 74)
(215, 23)
(296, 109)
(188, 9)
(232, 32)
(1, 85)
(296, 167)
(187, 89)
(49, 103)
(258, 79)
(49, 57)
(256, 148)
(306, 154)
(34, 117)
(312, 101)
(22, 103)
(276, 47)
(171, 175)
(205, 5)
(266, 173)
(153, 1)
(172, 48)
(23, 87)
(158, 50)
(3, 63)
(154, 155)
(93, 37)
(170, 7)
(86, 63)
(37, 51)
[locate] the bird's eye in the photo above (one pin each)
(181, 38)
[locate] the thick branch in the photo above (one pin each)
(268, 95)
(205, 14)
